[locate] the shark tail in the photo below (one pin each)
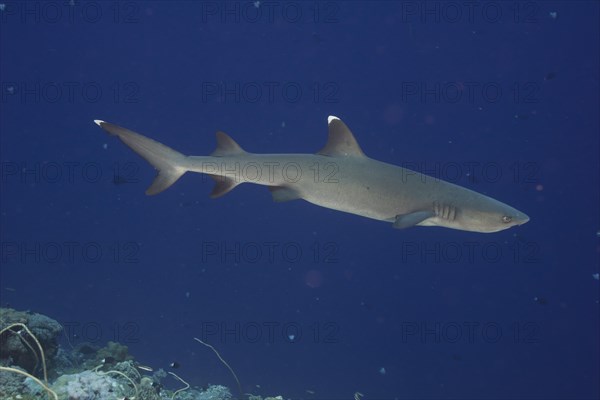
(171, 164)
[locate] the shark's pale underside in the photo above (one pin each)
(340, 177)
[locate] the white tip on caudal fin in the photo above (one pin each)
(171, 165)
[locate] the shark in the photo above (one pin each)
(339, 176)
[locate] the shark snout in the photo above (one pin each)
(522, 219)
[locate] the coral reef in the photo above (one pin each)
(11, 384)
(85, 372)
(16, 346)
(148, 389)
(89, 385)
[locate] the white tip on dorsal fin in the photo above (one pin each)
(341, 141)
(226, 146)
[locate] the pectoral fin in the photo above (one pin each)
(412, 219)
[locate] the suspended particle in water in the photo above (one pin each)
(540, 300)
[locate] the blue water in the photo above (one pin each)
(302, 301)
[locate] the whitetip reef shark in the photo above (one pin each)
(340, 177)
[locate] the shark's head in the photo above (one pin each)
(490, 216)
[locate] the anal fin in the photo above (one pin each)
(223, 185)
(412, 219)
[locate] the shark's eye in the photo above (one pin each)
(506, 219)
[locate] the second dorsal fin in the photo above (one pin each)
(226, 146)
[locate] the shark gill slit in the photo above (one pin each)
(444, 211)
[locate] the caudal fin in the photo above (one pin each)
(169, 163)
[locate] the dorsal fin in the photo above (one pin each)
(226, 146)
(341, 141)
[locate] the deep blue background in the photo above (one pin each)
(153, 63)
